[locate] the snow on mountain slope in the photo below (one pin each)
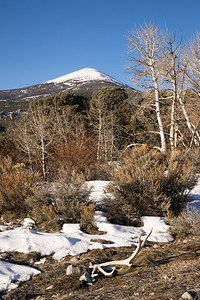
(85, 75)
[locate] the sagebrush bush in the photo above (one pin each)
(178, 181)
(149, 183)
(23, 194)
(70, 192)
(40, 207)
(187, 224)
(16, 185)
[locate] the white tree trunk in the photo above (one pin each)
(43, 155)
(172, 137)
(189, 124)
(99, 136)
(172, 127)
(28, 147)
(158, 114)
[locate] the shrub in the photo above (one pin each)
(16, 185)
(186, 224)
(22, 194)
(78, 153)
(70, 192)
(41, 208)
(149, 183)
(178, 181)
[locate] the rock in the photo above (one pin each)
(75, 259)
(49, 287)
(3, 227)
(31, 262)
(71, 270)
(41, 261)
(190, 295)
(5, 255)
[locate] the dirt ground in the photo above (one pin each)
(160, 271)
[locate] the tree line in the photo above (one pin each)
(69, 129)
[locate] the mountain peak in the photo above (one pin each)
(86, 74)
(83, 82)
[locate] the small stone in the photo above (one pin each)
(31, 262)
(5, 255)
(75, 259)
(41, 261)
(71, 270)
(49, 287)
(3, 227)
(190, 295)
(185, 241)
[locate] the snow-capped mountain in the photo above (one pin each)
(85, 75)
(82, 82)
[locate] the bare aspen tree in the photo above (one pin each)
(192, 73)
(41, 123)
(107, 114)
(22, 137)
(193, 61)
(192, 128)
(171, 71)
(96, 117)
(103, 122)
(145, 45)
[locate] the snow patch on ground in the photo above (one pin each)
(11, 273)
(195, 203)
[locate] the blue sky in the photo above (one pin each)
(45, 39)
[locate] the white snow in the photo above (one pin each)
(86, 74)
(12, 272)
(28, 223)
(196, 197)
(72, 241)
(97, 191)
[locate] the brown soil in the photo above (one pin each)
(160, 271)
